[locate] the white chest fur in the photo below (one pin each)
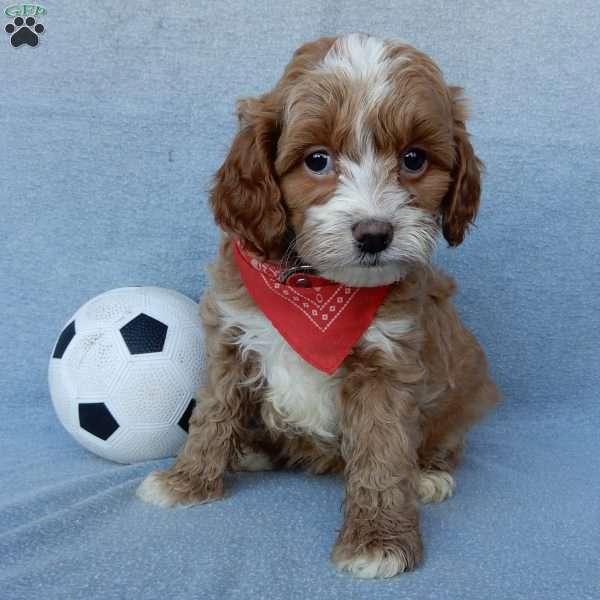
(304, 397)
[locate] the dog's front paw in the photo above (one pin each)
(379, 560)
(167, 490)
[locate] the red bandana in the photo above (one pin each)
(320, 319)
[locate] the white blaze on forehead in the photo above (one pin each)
(359, 57)
(363, 60)
(365, 182)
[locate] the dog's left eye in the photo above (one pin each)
(413, 161)
(319, 162)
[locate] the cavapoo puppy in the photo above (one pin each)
(332, 341)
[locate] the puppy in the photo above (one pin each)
(332, 341)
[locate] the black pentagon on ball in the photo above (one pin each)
(184, 422)
(64, 339)
(96, 419)
(144, 334)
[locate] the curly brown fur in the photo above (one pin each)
(394, 416)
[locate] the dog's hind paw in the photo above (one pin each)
(434, 486)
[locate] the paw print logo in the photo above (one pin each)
(24, 31)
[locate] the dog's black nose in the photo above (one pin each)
(373, 236)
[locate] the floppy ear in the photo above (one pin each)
(461, 203)
(245, 198)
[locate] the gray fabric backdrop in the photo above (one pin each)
(110, 131)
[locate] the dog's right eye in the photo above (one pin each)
(319, 162)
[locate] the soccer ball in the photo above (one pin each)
(124, 373)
